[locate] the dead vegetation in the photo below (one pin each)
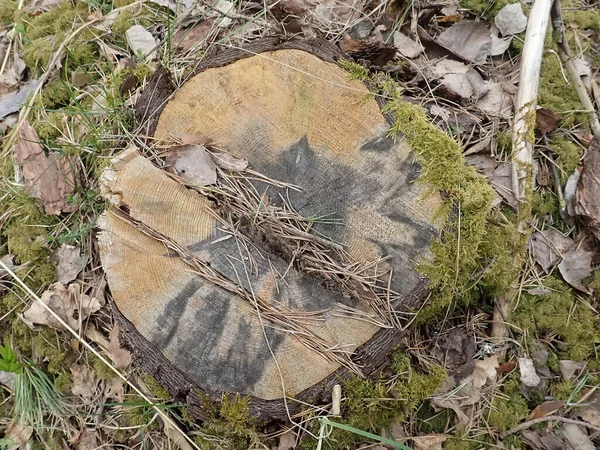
(447, 73)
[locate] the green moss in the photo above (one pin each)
(584, 18)
(126, 19)
(63, 382)
(544, 203)
(49, 126)
(594, 283)
(555, 92)
(157, 390)
(486, 8)
(507, 412)
(55, 95)
(8, 8)
(102, 371)
(57, 21)
(37, 54)
(230, 425)
(562, 390)
(51, 346)
(372, 405)
(460, 443)
(558, 312)
(568, 156)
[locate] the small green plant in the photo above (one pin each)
(34, 394)
(392, 443)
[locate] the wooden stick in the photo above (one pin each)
(529, 423)
(567, 58)
(524, 121)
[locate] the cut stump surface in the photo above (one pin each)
(208, 304)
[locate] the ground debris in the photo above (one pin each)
(141, 42)
(511, 20)
(193, 163)
(576, 266)
(471, 40)
(17, 434)
(587, 196)
(547, 408)
(69, 262)
(529, 376)
(84, 381)
(577, 437)
(69, 303)
(548, 247)
(544, 440)
(430, 442)
(47, 178)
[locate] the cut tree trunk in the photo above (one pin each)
(216, 301)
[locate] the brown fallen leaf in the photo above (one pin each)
(69, 262)
(511, 20)
(227, 161)
(576, 266)
(546, 120)
(407, 46)
(69, 304)
(287, 441)
(430, 442)
(84, 381)
(114, 388)
(469, 39)
(587, 197)
(17, 434)
(47, 178)
(506, 367)
(577, 437)
(86, 439)
(186, 38)
(120, 357)
(141, 42)
(501, 181)
(546, 408)
(544, 440)
(568, 368)
(193, 163)
(591, 415)
(548, 247)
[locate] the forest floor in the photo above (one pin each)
(465, 377)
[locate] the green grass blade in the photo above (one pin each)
(364, 434)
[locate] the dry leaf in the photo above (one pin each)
(587, 197)
(430, 442)
(225, 7)
(469, 39)
(84, 381)
(120, 357)
(499, 45)
(548, 247)
(485, 369)
(7, 379)
(86, 439)
(529, 376)
(12, 102)
(193, 163)
(511, 20)
(68, 303)
(546, 408)
(47, 178)
(460, 79)
(591, 415)
(178, 7)
(38, 6)
(8, 261)
(577, 437)
(227, 161)
(141, 42)
(191, 139)
(546, 120)
(407, 46)
(17, 434)
(186, 38)
(501, 180)
(114, 388)
(175, 435)
(69, 262)
(569, 368)
(497, 102)
(287, 441)
(543, 440)
(576, 266)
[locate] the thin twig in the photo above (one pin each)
(567, 59)
(529, 423)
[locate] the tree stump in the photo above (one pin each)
(221, 300)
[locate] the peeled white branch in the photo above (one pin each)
(524, 120)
